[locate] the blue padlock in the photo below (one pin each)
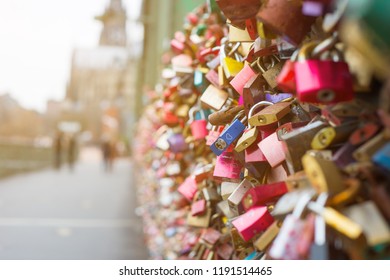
(382, 157)
(228, 136)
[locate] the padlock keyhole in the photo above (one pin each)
(326, 95)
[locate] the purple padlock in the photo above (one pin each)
(274, 98)
(177, 143)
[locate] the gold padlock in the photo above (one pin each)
(374, 225)
(214, 97)
(270, 114)
(268, 236)
(272, 72)
(323, 174)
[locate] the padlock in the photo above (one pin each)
(239, 35)
(211, 194)
(198, 208)
(270, 74)
(253, 222)
(223, 207)
(286, 78)
(237, 195)
(199, 80)
(225, 115)
(298, 142)
(239, 244)
(286, 243)
(202, 221)
(212, 77)
(213, 134)
(277, 174)
(177, 143)
(229, 66)
(375, 227)
(338, 221)
(225, 251)
(214, 98)
(264, 31)
(286, 19)
(188, 188)
(228, 136)
(253, 153)
(246, 73)
(368, 149)
(227, 166)
(198, 126)
(273, 149)
(248, 137)
(322, 81)
(264, 195)
(227, 188)
(251, 27)
(263, 242)
(239, 10)
(323, 174)
(363, 133)
(329, 136)
(271, 114)
(186, 85)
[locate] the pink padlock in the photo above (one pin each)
(322, 81)
(213, 134)
(273, 149)
(198, 127)
(239, 81)
(254, 221)
(227, 166)
(188, 188)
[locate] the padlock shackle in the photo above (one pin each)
(254, 107)
(325, 45)
(303, 202)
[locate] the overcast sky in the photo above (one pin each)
(37, 38)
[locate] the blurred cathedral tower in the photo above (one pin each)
(114, 25)
(101, 87)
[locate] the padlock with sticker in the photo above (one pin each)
(229, 135)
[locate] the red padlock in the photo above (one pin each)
(253, 222)
(198, 127)
(322, 81)
(264, 194)
(286, 78)
(239, 10)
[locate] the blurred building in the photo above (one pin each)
(18, 122)
(101, 85)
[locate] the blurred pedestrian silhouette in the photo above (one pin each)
(72, 151)
(108, 152)
(57, 147)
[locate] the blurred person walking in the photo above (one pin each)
(72, 152)
(57, 147)
(108, 152)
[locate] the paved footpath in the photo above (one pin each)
(87, 214)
